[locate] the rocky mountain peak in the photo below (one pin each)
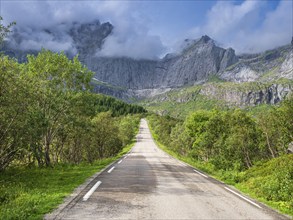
(126, 77)
(205, 39)
(72, 38)
(89, 37)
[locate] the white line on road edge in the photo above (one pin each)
(201, 173)
(89, 193)
(119, 161)
(109, 171)
(253, 203)
(182, 163)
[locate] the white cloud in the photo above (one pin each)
(130, 35)
(45, 40)
(131, 38)
(135, 46)
(248, 26)
(240, 25)
(277, 28)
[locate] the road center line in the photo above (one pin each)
(89, 193)
(119, 161)
(109, 171)
(253, 203)
(200, 173)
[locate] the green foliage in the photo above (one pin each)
(276, 178)
(181, 142)
(181, 110)
(220, 135)
(277, 129)
(213, 136)
(179, 103)
(30, 193)
(128, 127)
(162, 126)
(5, 30)
(233, 145)
(49, 115)
(214, 78)
(117, 107)
(56, 80)
(105, 137)
(14, 104)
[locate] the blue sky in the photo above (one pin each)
(158, 27)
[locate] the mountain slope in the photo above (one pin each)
(194, 64)
(200, 61)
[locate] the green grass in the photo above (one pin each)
(270, 74)
(215, 79)
(269, 182)
(181, 110)
(30, 193)
(259, 110)
(180, 103)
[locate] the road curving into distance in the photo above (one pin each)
(149, 184)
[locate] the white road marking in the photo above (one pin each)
(253, 203)
(182, 163)
(109, 171)
(119, 161)
(89, 193)
(200, 173)
(125, 157)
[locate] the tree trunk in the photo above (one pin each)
(47, 150)
(269, 145)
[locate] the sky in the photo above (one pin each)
(150, 29)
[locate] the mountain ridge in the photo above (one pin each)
(135, 79)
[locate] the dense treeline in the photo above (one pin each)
(117, 107)
(48, 114)
(232, 139)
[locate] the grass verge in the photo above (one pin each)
(30, 193)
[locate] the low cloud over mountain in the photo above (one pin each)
(52, 21)
(141, 32)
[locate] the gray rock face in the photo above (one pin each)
(286, 69)
(196, 63)
(128, 78)
(240, 73)
(84, 39)
(89, 37)
(124, 72)
(260, 94)
(267, 66)
(228, 59)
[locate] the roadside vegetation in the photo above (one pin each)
(54, 132)
(237, 146)
(49, 116)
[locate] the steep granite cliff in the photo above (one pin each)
(197, 64)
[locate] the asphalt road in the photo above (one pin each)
(149, 184)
